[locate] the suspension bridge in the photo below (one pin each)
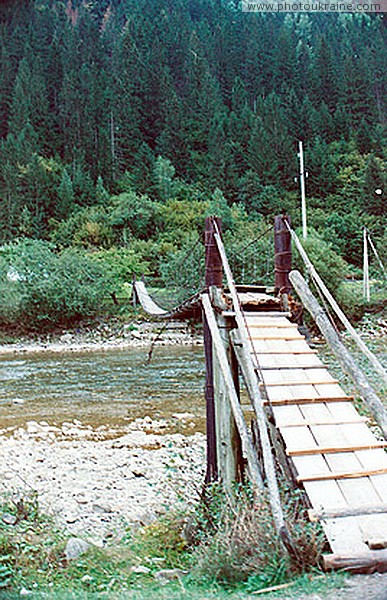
(305, 427)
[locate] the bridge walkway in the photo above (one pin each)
(334, 454)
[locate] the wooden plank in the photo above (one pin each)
(306, 423)
(290, 361)
(287, 352)
(345, 475)
(344, 535)
(352, 511)
(273, 313)
(305, 382)
(290, 367)
(367, 562)
(276, 336)
(358, 491)
(334, 449)
(299, 401)
(258, 324)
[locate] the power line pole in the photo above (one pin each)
(302, 186)
(366, 279)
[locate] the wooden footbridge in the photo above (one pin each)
(303, 420)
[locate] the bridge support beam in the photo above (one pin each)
(282, 255)
(224, 455)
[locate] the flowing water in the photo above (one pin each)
(103, 388)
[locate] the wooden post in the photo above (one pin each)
(228, 442)
(213, 277)
(224, 458)
(282, 254)
(214, 271)
(344, 357)
(230, 390)
(243, 354)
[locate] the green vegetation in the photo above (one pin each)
(228, 550)
(123, 125)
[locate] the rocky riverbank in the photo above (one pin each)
(97, 486)
(107, 335)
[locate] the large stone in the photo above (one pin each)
(75, 547)
(9, 519)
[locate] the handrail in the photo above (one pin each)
(363, 347)
(247, 445)
(256, 400)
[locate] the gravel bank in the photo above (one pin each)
(107, 336)
(96, 486)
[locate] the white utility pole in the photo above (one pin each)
(366, 278)
(302, 185)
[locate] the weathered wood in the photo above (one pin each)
(355, 511)
(214, 271)
(290, 367)
(220, 352)
(346, 475)
(255, 324)
(309, 423)
(242, 351)
(213, 277)
(344, 357)
(288, 352)
(227, 439)
(212, 463)
(277, 336)
(370, 562)
(302, 401)
(282, 255)
(334, 449)
(363, 347)
(300, 382)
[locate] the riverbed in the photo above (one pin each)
(107, 440)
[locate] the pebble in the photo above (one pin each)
(96, 487)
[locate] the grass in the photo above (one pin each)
(223, 550)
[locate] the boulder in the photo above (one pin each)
(75, 547)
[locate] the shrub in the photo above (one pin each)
(237, 542)
(43, 289)
(330, 266)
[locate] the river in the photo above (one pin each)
(103, 388)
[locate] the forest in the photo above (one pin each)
(123, 123)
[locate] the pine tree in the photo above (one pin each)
(65, 195)
(374, 187)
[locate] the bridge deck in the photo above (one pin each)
(337, 458)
